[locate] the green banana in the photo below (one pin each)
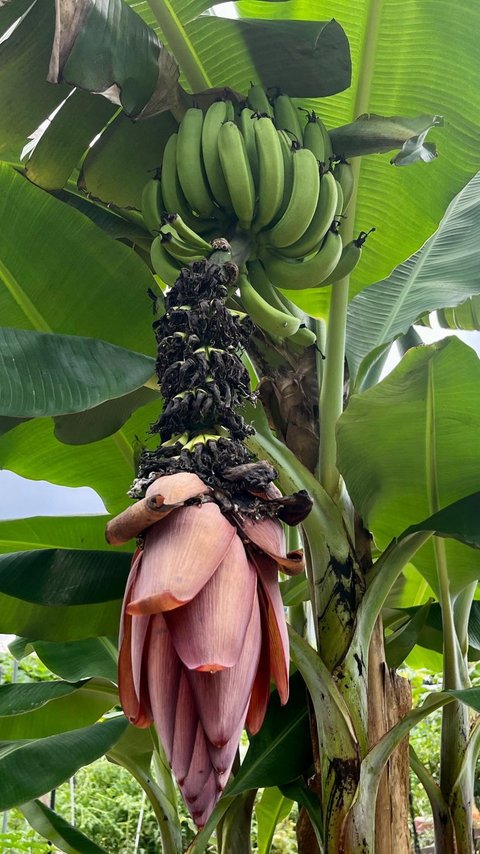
(351, 254)
(304, 337)
(271, 174)
(215, 116)
(303, 201)
(246, 120)
(286, 116)
(230, 109)
(340, 205)
(191, 172)
(173, 198)
(257, 100)
(286, 144)
(345, 177)
(270, 319)
(311, 239)
(313, 137)
(262, 284)
(310, 273)
(327, 141)
(237, 172)
(186, 233)
(180, 250)
(152, 205)
(162, 263)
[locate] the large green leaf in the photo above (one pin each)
(51, 532)
(35, 601)
(58, 622)
(47, 708)
(97, 577)
(65, 140)
(430, 635)
(281, 751)
(58, 831)
(271, 809)
(409, 447)
(133, 65)
(460, 520)
(44, 374)
(305, 58)
(60, 273)
(73, 660)
(18, 698)
(104, 420)
(26, 99)
(108, 466)
(31, 768)
(400, 643)
(464, 316)
(39, 576)
(444, 272)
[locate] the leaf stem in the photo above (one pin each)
(180, 45)
(331, 392)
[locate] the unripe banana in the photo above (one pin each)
(173, 198)
(304, 337)
(181, 251)
(230, 111)
(237, 172)
(246, 120)
(258, 101)
(271, 175)
(313, 137)
(322, 220)
(351, 254)
(314, 271)
(152, 205)
(287, 146)
(344, 176)
(262, 284)
(327, 142)
(186, 233)
(190, 163)
(303, 201)
(215, 116)
(286, 116)
(340, 206)
(270, 319)
(163, 263)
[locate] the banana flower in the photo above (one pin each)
(203, 631)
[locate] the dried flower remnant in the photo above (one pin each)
(203, 626)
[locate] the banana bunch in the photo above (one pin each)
(259, 168)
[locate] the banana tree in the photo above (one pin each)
(383, 492)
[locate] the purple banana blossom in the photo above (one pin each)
(203, 631)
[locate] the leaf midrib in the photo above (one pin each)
(23, 301)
